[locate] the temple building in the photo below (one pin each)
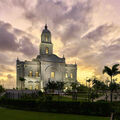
(45, 67)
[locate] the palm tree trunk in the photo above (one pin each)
(111, 91)
(89, 92)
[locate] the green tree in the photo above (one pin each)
(74, 90)
(111, 72)
(93, 95)
(51, 86)
(82, 88)
(89, 81)
(1, 89)
(100, 87)
(60, 87)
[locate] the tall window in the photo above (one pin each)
(46, 38)
(52, 74)
(37, 74)
(47, 50)
(66, 75)
(71, 75)
(30, 73)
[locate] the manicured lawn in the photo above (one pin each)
(68, 98)
(9, 114)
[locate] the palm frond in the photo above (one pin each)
(115, 68)
(107, 70)
(116, 73)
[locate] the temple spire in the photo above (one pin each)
(45, 26)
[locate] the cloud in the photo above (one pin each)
(5, 59)
(97, 48)
(104, 46)
(7, 39)
(67, 21)
(8, 81)
(6, 68)
(9, 76)
(73, 23)
(15, 40)
(81, 25)
(27, 47)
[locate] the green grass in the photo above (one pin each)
(68, 98)
(9, 114)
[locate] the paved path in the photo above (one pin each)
(115, 97)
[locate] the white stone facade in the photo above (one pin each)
(45, 67)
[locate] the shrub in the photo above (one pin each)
(83, 108)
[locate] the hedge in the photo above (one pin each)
(82, 108)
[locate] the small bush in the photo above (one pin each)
(47, 105)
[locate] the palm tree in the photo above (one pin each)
(74, 90)
(111, 72)
(22, 79)
(60, 87)
(89, 81)
(51, 86)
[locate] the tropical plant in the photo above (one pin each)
(111, 72)
(51, 86)
(89, 81)
(93, 95)
(60, 87)
(74, 90)
(1, 89)
(82, 88)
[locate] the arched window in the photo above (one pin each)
(47, 50)
(30, 74)
(37, 74)
(46, 38)
(71, 75)
(52, 74)
(66, 75)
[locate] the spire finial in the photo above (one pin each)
(45, 26)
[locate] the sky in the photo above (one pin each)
(85, 31)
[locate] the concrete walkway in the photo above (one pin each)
(116, 97)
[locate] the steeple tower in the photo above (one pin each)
(46, 46)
